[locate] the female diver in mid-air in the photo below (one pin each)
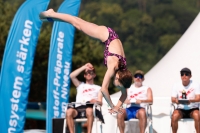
(114, 57)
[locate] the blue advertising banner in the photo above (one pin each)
(17, 65)
(59, 68)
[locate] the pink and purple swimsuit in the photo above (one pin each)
(112, 36)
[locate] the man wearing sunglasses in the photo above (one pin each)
(138, 96)
(87, 92)
(190, 90)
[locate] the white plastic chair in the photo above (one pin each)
(149, 126)
(173, 107)
(80, 120)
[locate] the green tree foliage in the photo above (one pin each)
(147, 29)
(6, 16)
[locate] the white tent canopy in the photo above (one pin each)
(185, 53)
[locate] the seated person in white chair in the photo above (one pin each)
(186, 89)
(86, 92)
(140, 95)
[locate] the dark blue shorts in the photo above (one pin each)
(131, 112)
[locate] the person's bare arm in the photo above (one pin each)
(105, 85)
(76, 72)
(111, 63)
(98, 100)
(174, 100)
(149, 97)
(196, 99)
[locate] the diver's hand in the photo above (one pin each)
(116, 110)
